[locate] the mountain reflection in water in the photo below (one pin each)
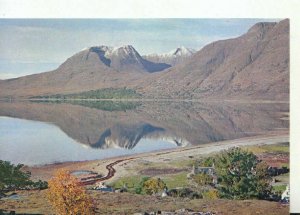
(107, 125)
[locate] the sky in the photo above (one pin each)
(31, 46)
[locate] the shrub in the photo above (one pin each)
(211, 194)
(184, 193)
(40, 185)
(153, 185)
(139, 187)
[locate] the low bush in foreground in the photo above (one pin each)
(185, 193)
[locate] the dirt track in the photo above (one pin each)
(110, 174)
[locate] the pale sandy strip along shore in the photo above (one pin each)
(196, 151)
(45, 172)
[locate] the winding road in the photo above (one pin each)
(111, 172)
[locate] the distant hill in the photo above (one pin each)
(252, 66)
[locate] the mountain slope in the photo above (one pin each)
(92, 68)
(254, 65)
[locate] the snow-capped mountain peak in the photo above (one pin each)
(182, 51)
(124, 58)
(126, 50)
(173, 57)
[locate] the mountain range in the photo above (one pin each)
(254, 65)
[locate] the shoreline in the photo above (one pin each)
(199, 100)
(99, 166)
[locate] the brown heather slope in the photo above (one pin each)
(93, 68)
(252, 66)
(81, 72)
(35, 202)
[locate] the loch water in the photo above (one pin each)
(45, 132)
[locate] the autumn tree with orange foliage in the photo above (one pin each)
(67, 196)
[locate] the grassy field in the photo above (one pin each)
(279, 188)
(132, 182)
(276, 148)
(176, 180)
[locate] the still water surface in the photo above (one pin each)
(43, 133)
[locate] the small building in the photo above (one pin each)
(102, 187)
(205, 170)
(164, 193)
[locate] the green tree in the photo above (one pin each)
(241, 175)
(12, 177)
